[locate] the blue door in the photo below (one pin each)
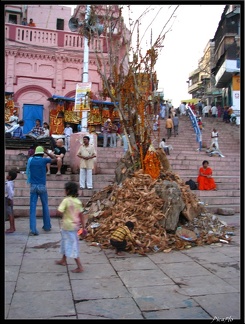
(30, 114)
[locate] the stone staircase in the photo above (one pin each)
(184, 159)
(107, 160)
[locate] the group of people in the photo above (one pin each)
(14, 128)
(70, 208)
(172, 124)
(110, 131)
(201, 109)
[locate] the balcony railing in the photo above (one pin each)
(47, 37)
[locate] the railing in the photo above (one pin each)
(47, 37)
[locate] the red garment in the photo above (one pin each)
(205, 183)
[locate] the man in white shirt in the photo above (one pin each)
(13, 120)
(214, 111)
(11, 129)
(164, 147)
(206, 110)
(182, 109)
(214, 138)
(86, 153)
(67, 132)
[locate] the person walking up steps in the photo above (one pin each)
(176, 125)
(199, 106)
(169, 126)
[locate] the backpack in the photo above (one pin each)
(192, 184)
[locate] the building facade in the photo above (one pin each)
(47, 60)
(217, 78)
(226, 68)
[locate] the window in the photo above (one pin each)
(13, 19)
(60, 24)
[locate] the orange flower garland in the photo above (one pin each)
(152, 164)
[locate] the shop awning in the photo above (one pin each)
(60, 98)
(192, 101)
(98, 102)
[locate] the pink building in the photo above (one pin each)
(46, 60)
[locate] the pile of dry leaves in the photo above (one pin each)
(136, 200)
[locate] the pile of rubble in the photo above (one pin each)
(166, 213)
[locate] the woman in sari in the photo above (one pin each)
(205, 180)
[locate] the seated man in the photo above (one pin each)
(18, 132)
(13, 120)
(214, 150)
(164, 147)
(10, 130)
(58, 153)
(37, 131)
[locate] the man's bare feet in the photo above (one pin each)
(10, 230)
(60, 262)
(77, 270)
(120, 253)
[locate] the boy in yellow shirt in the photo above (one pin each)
(118, 237)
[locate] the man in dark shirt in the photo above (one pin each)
(58, 153)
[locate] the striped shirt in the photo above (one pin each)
(121, 233)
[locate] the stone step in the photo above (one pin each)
(220, 200)
(59, 192)
(24, 211)
(21, 204)
(200, 157)
(54, 181)
(192, 165)
(184, 160)
(216, 173)
(218, 193)
(214, 208)
(218, 179)
(52, 200)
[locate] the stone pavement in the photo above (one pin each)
(198, 283)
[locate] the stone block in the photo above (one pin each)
(225, 211)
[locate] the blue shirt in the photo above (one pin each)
(18, 132)
(38, 169)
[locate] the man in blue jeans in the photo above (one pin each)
(36, 176)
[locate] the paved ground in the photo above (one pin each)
(198, 283)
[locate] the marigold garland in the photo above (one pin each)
(152, 164)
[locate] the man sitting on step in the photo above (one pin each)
(58, 153)
(214, 150)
